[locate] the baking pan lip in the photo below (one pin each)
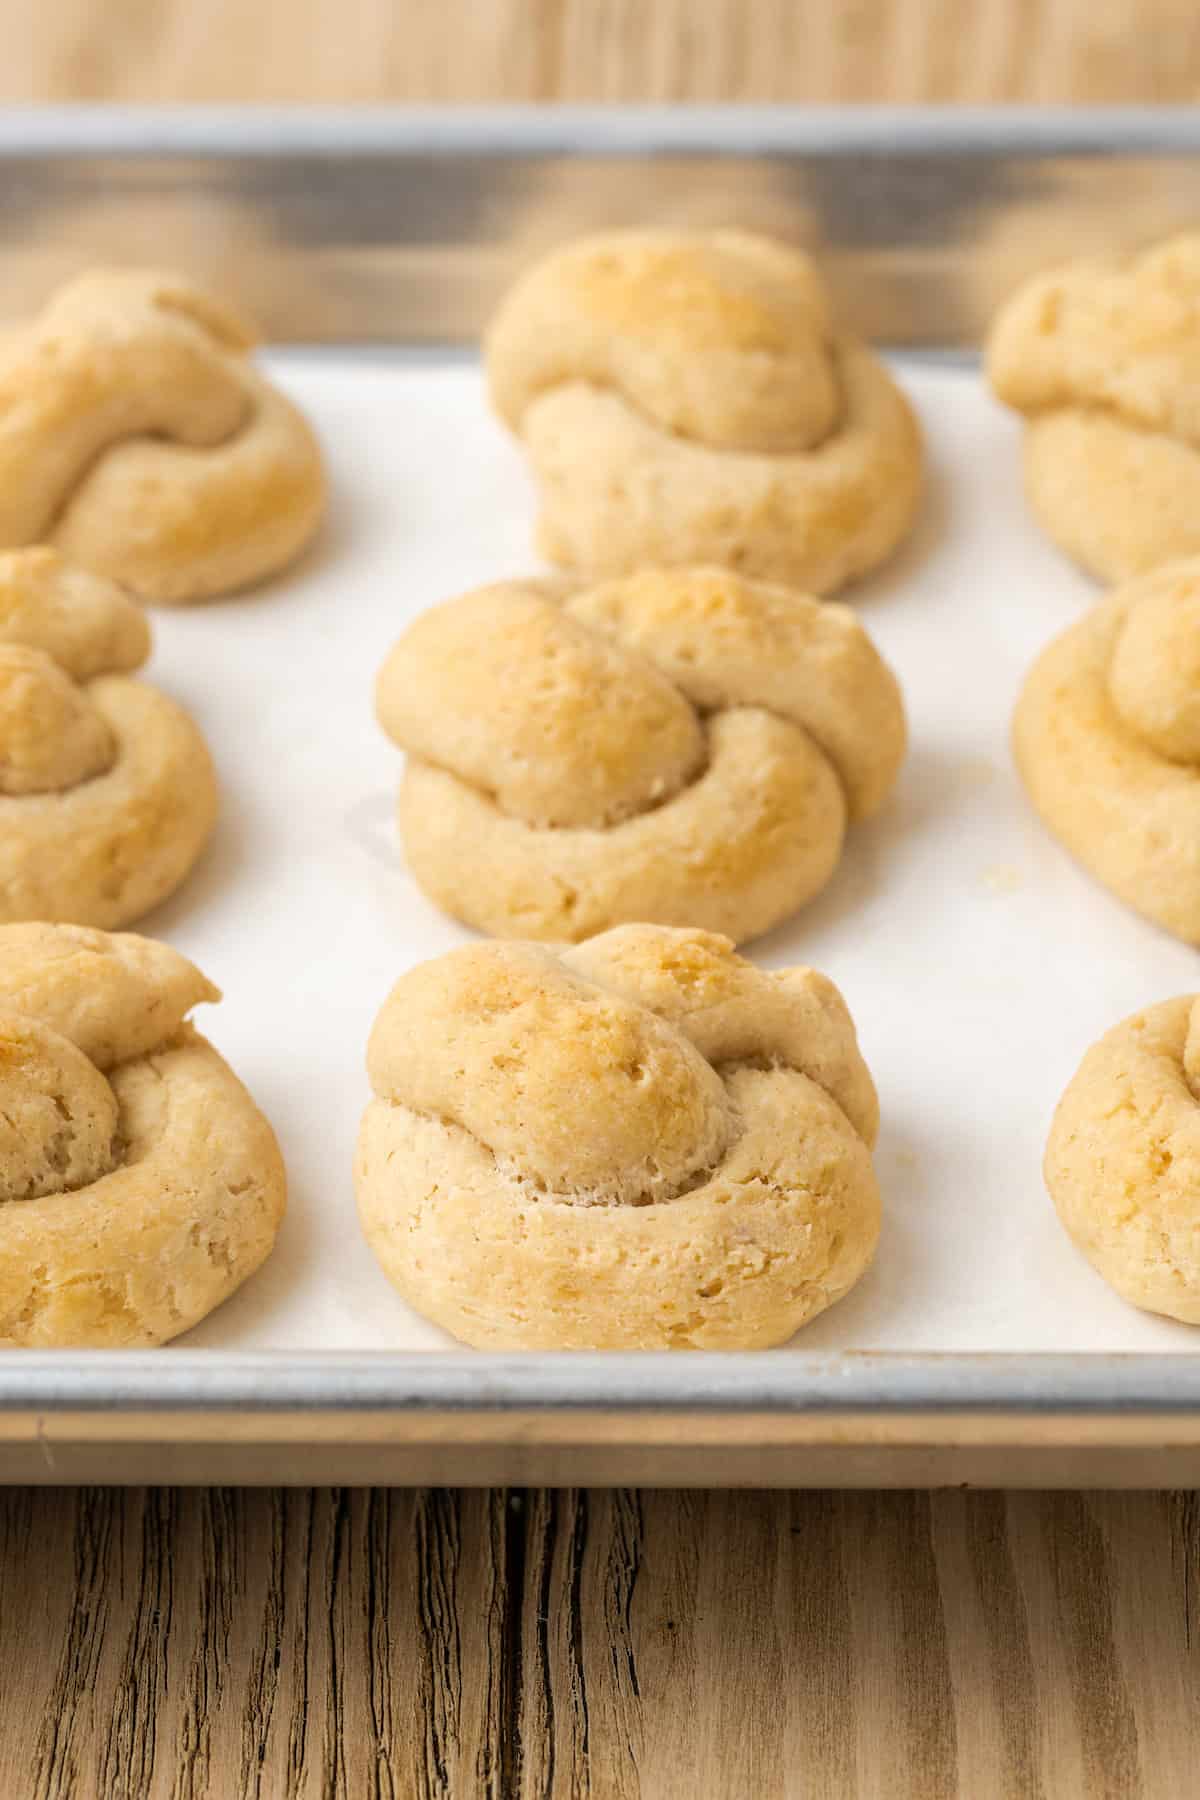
(748, 1383)
(829, 1387)
(664, 130)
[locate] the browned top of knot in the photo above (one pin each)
(58, 1115)
(1154, 676)
(721, 337)
(73, 1004)
(113, 355)
(595, 1074)
(579, 709)
(59, 629)
(1121, 336)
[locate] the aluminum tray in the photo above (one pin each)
(384, 228)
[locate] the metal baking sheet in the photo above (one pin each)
(978, 962)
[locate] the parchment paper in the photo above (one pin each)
(978, 961)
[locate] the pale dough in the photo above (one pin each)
(690, 398)
(137, 435)
(1103, 359)
(641, 1143)
(681, 747)
(1107, 739)
(1123, 1158)
(139, 1183)
(107, 790)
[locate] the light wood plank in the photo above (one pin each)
(620, 50)
(192, 1643)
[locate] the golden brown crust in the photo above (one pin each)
(139, 1183)
(1123, 1158)
(688, 398)
(1107, 739)
(107, 791)
(682, 747)
(137, 436)
(1103, 359)
(643, 1143)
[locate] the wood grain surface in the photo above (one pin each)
(669, 1646)
(907, 1646)
(628, 50)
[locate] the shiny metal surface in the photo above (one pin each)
(403, 229)
(717, 1420)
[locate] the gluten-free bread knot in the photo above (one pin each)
(107, 791)
(137, 435)
(678, 747)
(1107, 739)
(1103, 359)
(691, 398)
(139, 1184)
(1123, 1158)
(642, 1142)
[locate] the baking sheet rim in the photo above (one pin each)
(843, 1396)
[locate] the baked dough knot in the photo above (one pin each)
(107, 792)
(139, 1184)
(690, 398)
(1103, 359)
(137, 435)
(1107, 738)
(641, 1142)
(678, 747)
(1123, 1158)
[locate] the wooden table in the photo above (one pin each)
(694, 1645)
(814, 50)
(668, 1646)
